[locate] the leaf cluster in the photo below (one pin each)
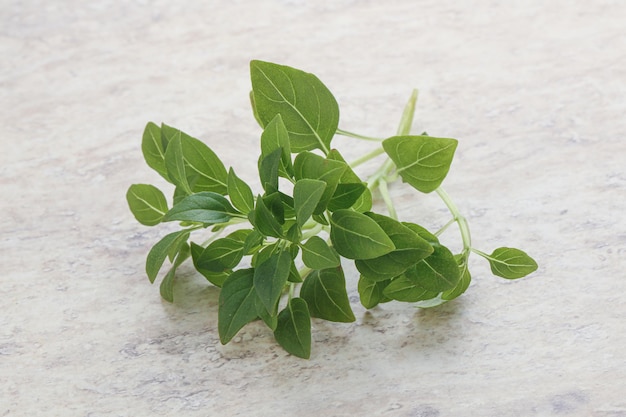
(277, 253)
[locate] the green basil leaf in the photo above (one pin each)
(268, 170)
(346, 195)
(311, 166)
(421, 161)
(264, 220)
(511, 263)
(152, 149)
(271, 276)
(405, 289)
(306, 195)
(253, 242)
(167, 134)
(293, 329)
(275, 136)
(175, 164)
(147, 203)
(237, 305)
(167, 285)
(215, 278)
(371, 292)
(206, 170)
(205, 207)
(410, 249)
(364, 201)
(270, 319)
(438, 272)
(356, 236)
(220, 255)
(464, 281)
(308, 109)
(240, 193)
(159, 252)
(316, 254)
(422, 232)
(325, 292)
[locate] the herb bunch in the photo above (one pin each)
(277, 255)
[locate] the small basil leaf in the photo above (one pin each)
(147, 203)
(325, 292)
(220, 255)
(240, 193)
(356, 236)
(306, 196)
(511, 263)
(275, 136)
(270, 278)
(205, 207)
(410, 249)
(159, 252)
(264, 220)
(405, 289)
(316, 254)
(293, 329)
(308, 109)
(421, 161)
(346, 195)
(175, 164)
(268, 170)
(167, 285)
(464, 281)
(203, 166)
(312, 166)
(438, 272)
(371, 292)
(237, 305)
(152, 149)
(215, 278)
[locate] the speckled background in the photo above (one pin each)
(536, 93)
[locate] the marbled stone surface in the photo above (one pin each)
(536, 93)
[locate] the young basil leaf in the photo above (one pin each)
(167, 134)
(346, 195)
(410, 249)
(306, 195)
(221, 255)
(159, 252)
(215, 278)
(237, 305)
(510, 263)
(464, 281)
(371, 292)
(324, 290)
(294, 231)
(275, 136)
(264, 220)
(356, 236)
(175, 164)
(147, 203)
(438, 272)
(205, 207)
(364, 201)
(253, 242)
(309, 110)
(270, 319)
(268, 170)
(405, 289)
(167, 285)
(316, 254)
(311, 166)
(422, 232)
(203, 166)
(421, 161)
(240, 193)
(153, 151)
(271, 276)
(293, 329)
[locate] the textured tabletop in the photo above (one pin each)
(535, 92)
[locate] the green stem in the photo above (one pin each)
(459, 219)
(384, 192)
(367, 157)
(356, 135)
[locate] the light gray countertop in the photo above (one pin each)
(536, 94)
